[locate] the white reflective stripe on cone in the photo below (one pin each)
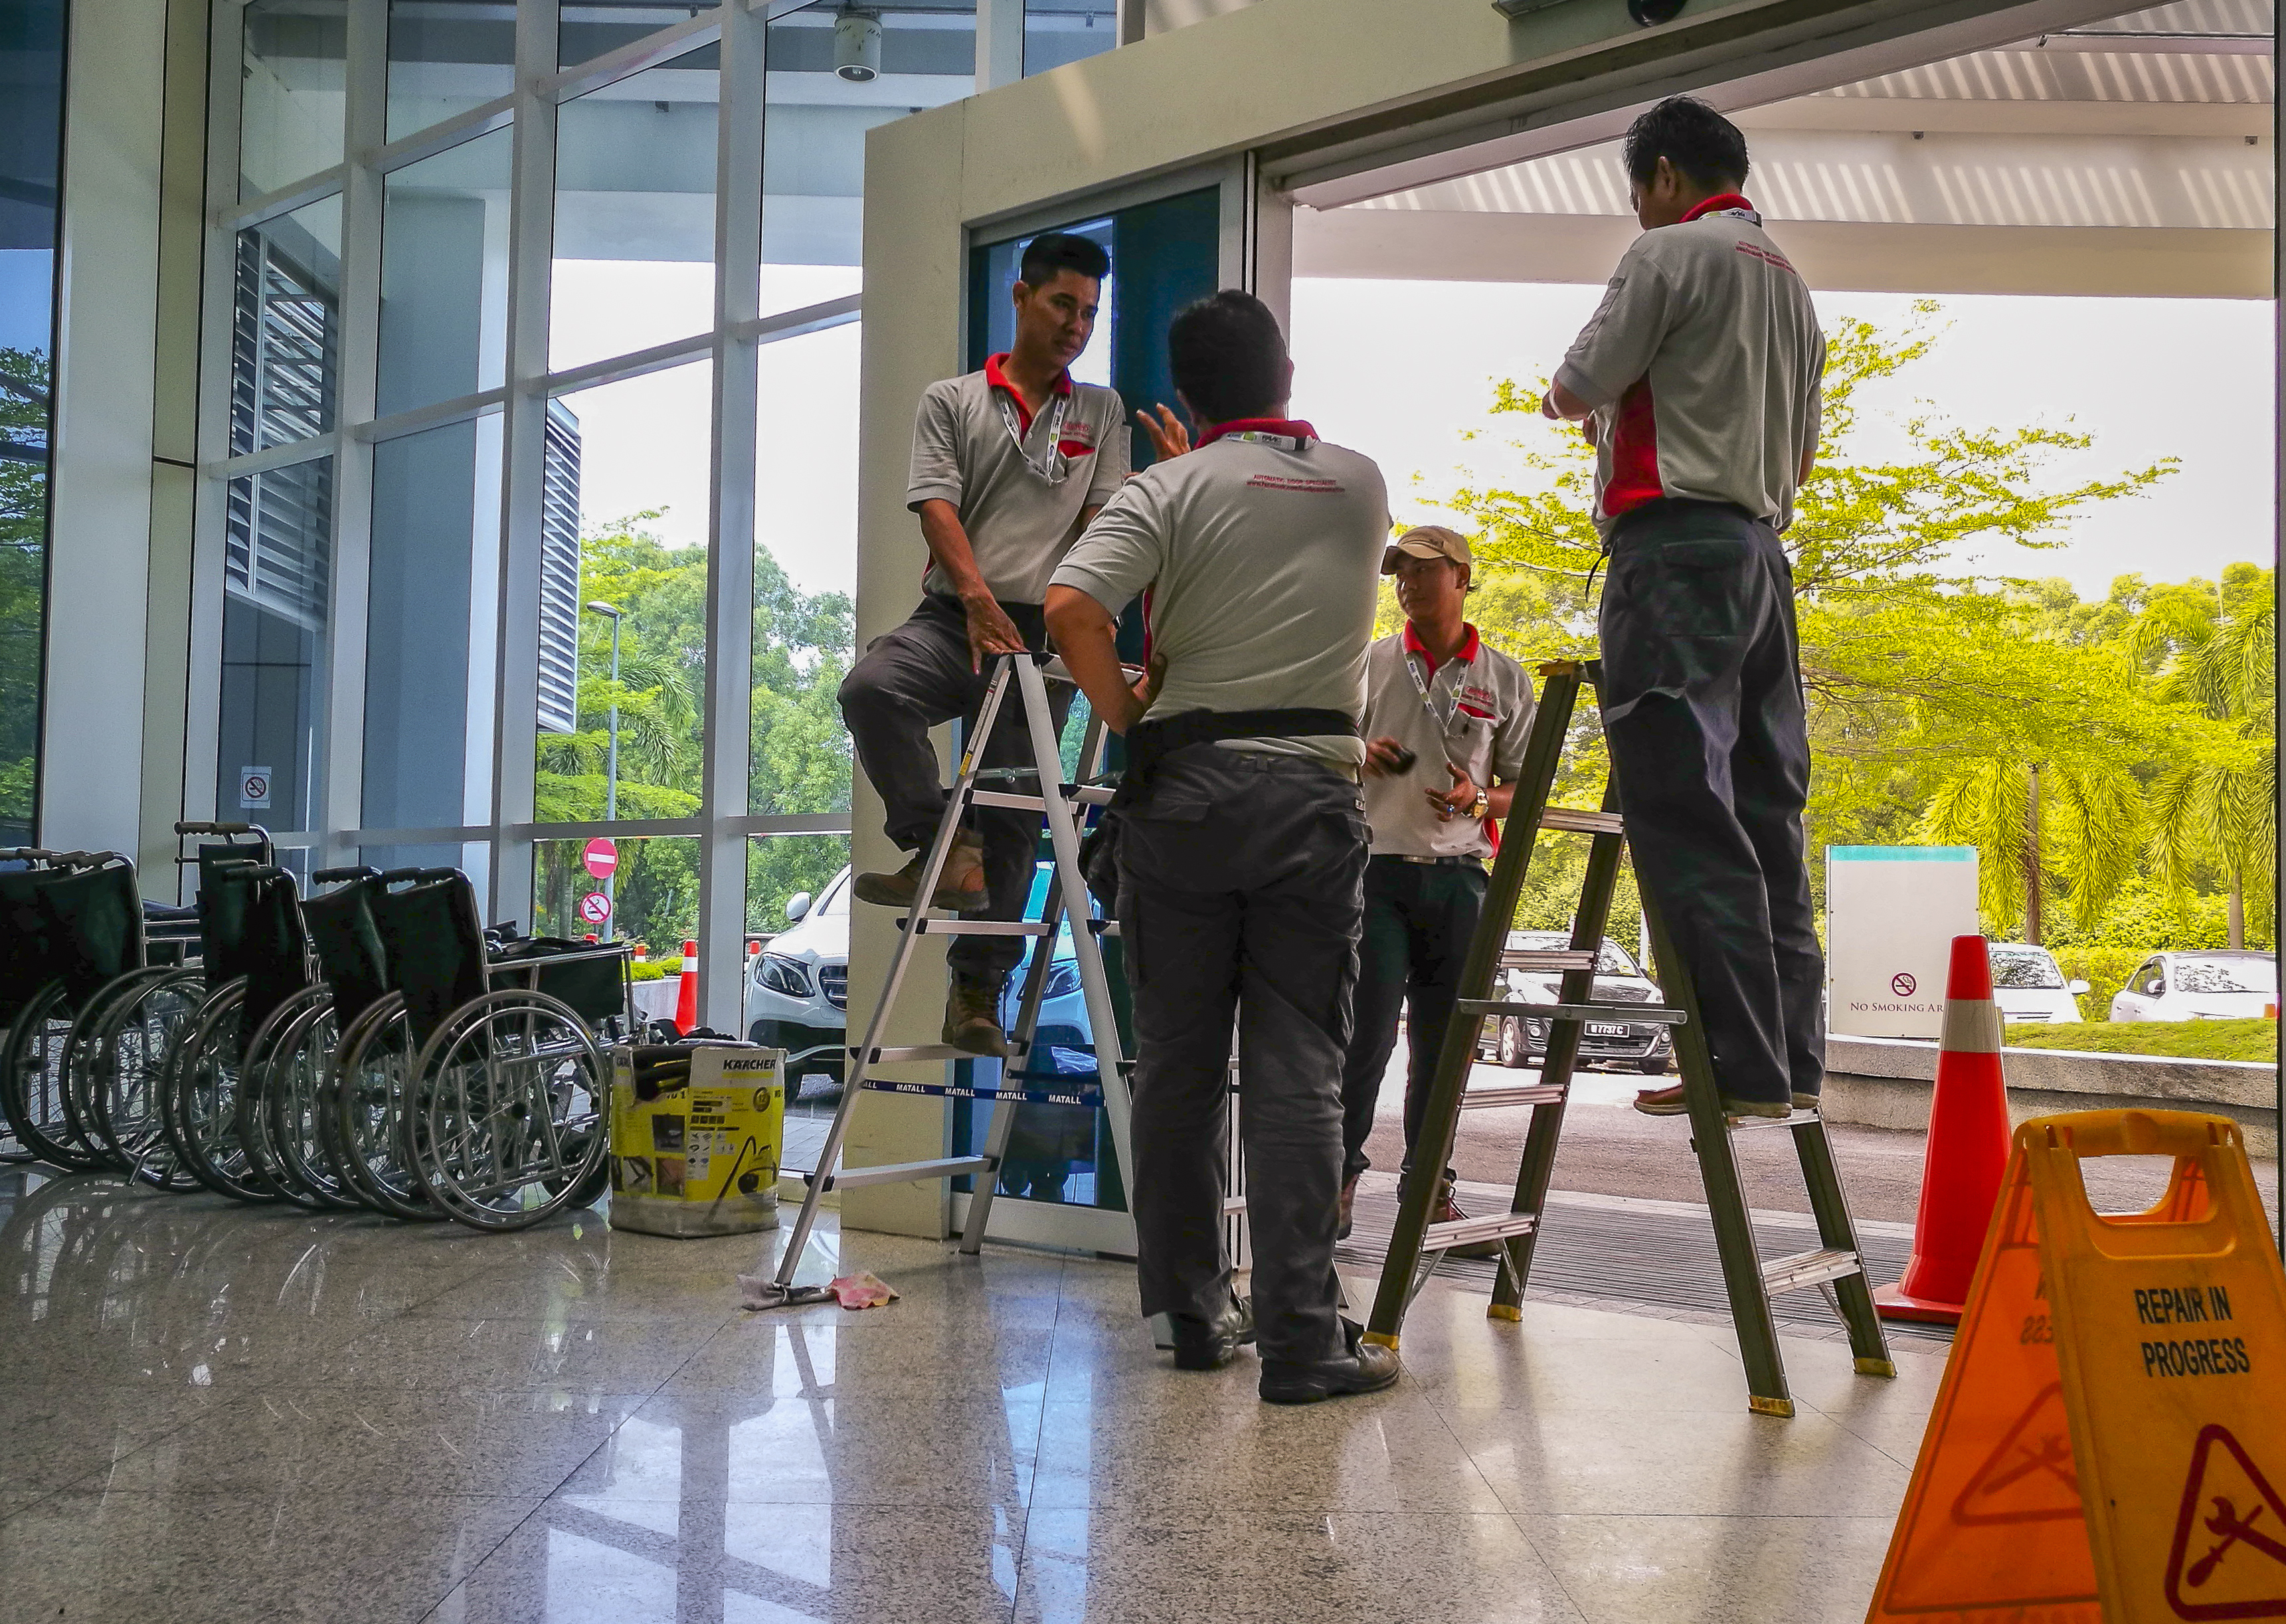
(1972, 1026)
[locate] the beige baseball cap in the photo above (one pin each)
(1427, 542)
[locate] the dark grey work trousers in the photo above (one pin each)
(918, 677)
(1240, 878)
(1419, 917)
(1703, 710)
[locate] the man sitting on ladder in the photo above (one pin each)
(1243, 840)
(1009, 465)
(1698, 377)
(1445, 720)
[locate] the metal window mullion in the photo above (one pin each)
(731, 552)
(343, 741)
(222, 152)
(523, 458)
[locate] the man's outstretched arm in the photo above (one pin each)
(1086, 635)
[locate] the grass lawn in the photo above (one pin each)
(2194, 1040)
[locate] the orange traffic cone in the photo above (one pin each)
(686, 995)
(1967, 1148)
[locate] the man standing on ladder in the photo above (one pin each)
(1445, 720)
(1243, 840)
(1698, 376)
(1009, 465)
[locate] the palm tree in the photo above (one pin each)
(2223, 805)
(2071, 822)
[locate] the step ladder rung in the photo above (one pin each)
(1803, 1270)
(1232, 1205)
(903, 1172)
(1641, 1015)
(974, 927)
(1082, 794)
(1522, 1093)
(1572, 820)
(1468, 1231)
(1554, 960)
(1804, 1117)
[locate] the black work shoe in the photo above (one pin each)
(1366, 1367)
(1210, 1344)
(972, 1019)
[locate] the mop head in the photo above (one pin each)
(852, 1291)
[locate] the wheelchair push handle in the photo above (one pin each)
(227, 831)
(343, 876)
(398, 877)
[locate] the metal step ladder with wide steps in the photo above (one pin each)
(1833, 1268)
(1019, 1083)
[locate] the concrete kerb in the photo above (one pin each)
(1885, 1083)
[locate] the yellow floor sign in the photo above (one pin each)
(2108, 1445)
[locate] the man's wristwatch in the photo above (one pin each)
(1482, 806)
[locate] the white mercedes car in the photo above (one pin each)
(2028, 986)
(2218, 985)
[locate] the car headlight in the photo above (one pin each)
(789, 976)
(1063, 979)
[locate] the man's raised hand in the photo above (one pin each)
(1168, 437)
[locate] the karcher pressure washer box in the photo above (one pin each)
(698, 1158)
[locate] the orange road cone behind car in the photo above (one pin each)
(686, 995)
(1967, 1148)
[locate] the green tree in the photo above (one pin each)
(800, 756)
(23, 399)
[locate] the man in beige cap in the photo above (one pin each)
(1445, 724)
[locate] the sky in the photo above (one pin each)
(1400, 370)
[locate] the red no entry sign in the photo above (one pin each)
(602, 858)
(594, 908)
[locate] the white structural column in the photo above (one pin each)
(523, 460)
(91, 747)
(731, 552)
(341, 800)
(999, 43)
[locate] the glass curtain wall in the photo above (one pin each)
(31, 148)
(516, 385)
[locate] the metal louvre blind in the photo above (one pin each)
(559, 574)
(282, 349)
(278, 539)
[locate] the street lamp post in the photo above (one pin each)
(611, 766)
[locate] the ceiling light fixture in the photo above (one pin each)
(857, 46)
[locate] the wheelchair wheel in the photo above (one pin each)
(121, 1055)
(32, 1073)
(277, 1120)
(205, 1076)
(367, 1136)
(80, 1081)
(507, 1125)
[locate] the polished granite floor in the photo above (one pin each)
(212, 1412)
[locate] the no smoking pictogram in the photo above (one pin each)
(1902, 984)
(594, 908)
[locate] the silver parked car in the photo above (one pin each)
(798, 990)
(1522, 1040)
(2216, 985)
(2028, 986)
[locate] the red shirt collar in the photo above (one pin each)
(1721, 200)
(994, 378)
(1466, 653)
(1259, 425)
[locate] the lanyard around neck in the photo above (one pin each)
(1421, 687)
(1054, 466)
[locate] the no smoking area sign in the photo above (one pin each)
(594, 908)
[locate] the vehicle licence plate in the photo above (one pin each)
(1604, 1028)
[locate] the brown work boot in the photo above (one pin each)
(1448, 1211)
(1349, 1205)
(972, 1019)
(1670, 1102)
(959, 887)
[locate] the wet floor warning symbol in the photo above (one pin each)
(2228, 1560)
(2029, 1476)
(2108, 1442)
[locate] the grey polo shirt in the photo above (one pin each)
(1484, 707)
(1019, 522)
(1261, 552)
(1703, 364)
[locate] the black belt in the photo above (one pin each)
(1442, 862)
(1150, 743)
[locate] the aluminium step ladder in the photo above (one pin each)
(1835, 1267)
(1067, 897)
